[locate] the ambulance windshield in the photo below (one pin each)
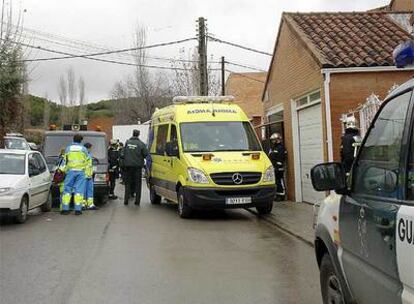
(218, 136)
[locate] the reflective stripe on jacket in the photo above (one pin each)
(76, 157)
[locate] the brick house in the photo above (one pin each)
(247, 88)
(323, 65)
(399, 5)
(105, 124)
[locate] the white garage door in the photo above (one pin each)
(311, 149)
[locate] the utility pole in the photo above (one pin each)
(223, 76)
(202, 55)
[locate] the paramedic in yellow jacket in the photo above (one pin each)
(88, 196)
(75, 163)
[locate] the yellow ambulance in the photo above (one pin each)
(206, 155)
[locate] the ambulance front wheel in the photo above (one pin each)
(265, 209)
(183, 209)
(154, 197)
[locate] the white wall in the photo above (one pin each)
(123, 133)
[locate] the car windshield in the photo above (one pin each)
(16, 143)
(54, 144)
(218, 136)
(12, 164)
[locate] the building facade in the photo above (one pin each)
(325, 65)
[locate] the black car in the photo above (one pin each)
(55, 141)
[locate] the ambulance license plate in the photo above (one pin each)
(238, 200)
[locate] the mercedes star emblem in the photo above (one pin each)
(237, 178)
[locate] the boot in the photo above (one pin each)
(78, 212)
(64, 212)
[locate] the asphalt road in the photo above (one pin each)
(147, 254)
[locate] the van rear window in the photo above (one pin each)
(54, 144)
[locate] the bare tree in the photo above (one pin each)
(186, 76)
(46, 113)
(186, 80)
(141, 92)
(12, 74)
(63, 96)
(72, 92)
(81, 87)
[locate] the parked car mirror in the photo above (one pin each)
(328, 177)
(33, 146)
(172, 148)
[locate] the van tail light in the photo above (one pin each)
(207, 157)
(107, 178)
(256, 156)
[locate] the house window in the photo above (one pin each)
(314, 97)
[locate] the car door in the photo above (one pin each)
(405, 232)
(368, 214)
(35, 181)
(44, 178)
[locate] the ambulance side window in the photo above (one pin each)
(162, 133)
(377, 169)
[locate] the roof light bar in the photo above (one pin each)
(404, 54)
(202, 99)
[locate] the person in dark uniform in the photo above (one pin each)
(132, 157)
(350, 142)
(277, 155)
(113, 158)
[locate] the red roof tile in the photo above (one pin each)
(349, 39)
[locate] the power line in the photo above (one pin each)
(86, 56)
(111, 52)
(245, 76)
(238, 46)
(245, 66)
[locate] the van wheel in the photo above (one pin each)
(183, 209)
(330, 284)
(24, 209)
(154, 197)
(47, 206)
(266, 209)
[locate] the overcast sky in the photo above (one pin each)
(112, 23)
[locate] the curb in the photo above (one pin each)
(270, 219)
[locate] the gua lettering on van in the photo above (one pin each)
(405, 230)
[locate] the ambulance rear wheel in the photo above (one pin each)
(330, 284)
(154, 197)
(265, 209)
(183, 209)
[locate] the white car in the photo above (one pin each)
(16, 142)
(24, 183)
